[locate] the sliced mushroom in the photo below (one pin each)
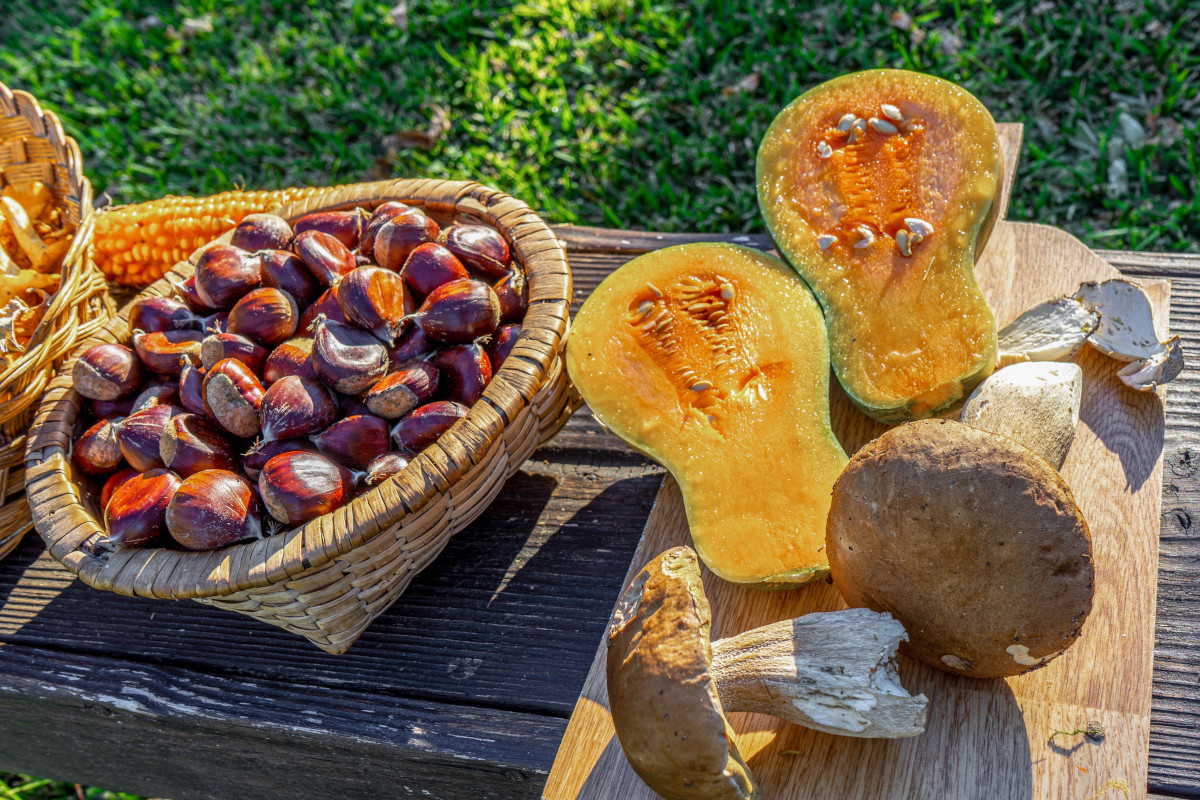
(1050, 331)
(669, 687)
(1035, 403)
(1126, 330)
(1160, 368)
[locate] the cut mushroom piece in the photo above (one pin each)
(1035, 403)
(1050, 331)
(669, 687)
(1126, 330)
(1163, 367)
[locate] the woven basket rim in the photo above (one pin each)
(71, 537)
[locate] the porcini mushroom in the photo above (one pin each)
(1035, 403)
(1050, 331)
(968, 538)
(669, 687)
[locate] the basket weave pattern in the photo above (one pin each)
(33, 147)
(328, 579)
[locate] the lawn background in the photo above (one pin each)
(608, 112)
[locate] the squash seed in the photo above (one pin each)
(882, 125)
(701, 386)
(726, 291)
(644, 308)
(891, 112)
(825, 241)
(824, 150)
(903, 243)
(846, 122)
(657, 292)
(918, 226)
(868, 238)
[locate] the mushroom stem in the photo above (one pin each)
(834, 671)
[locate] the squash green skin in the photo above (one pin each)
(754, 455)
(921, 317)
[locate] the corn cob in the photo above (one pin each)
(135, 245)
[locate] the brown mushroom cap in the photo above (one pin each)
(971, 540)
(664, 704)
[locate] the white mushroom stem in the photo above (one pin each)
(1035, 403)
(834, 671)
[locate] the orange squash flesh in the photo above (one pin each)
(910, 333)
(711, 359)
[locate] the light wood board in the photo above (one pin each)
(985, 738)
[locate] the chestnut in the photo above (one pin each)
(156, 394)
(349, 405)
(399, 236)
(426, 424)
(293, 357)
(480, 248)
(114, 482)
(376, 300)
(190, 295)
(296, 406)
(262, 232)
(414, 344)
(429, 266)
(107, 372)
(354, 441)
(161, 351)
(108, 409)
(384, 467)
(191, 387)
(403, 390)
(459, 312)
(345, 226)
(326, 257)
(224, 273)
(464, 372)
(386, 211)
(346, 358)
(190, 444)
(268, 316)
(220, 346)
(136, 515)
(97, 451)
(501, 344)
(154, 314)
(282, 269)
(138, 435)
(232, 395)
(513, 293)
(213, 508)
(297, 487)
(326, 304)
(263, 451)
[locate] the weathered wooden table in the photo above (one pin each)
(463, 689)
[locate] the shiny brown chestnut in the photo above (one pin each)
(384, 467)
(376, 300)
(138, 435)
(426, 424)
(262, 452)
(501, 344)
(459, 312)
(414, 344)
(296, 406)
(232, 395)
(97, 451)
(513, 293)
(107, 372)
(114, 482)
(386, 211)
(213, 508)
(161, 351)
(297, 487)
(326, 257)
(399, 236)
(191, 387)
(348, 359)
(293, 357)
(283, 269)
(153, 314)
(191, 444)
(480, 248)
(429, 266)
(401, 391)
(108, 409)
(267, 316)
(261, 232)
(136, 515)
(354, 441)
(345, 226)
(156, 394)
(190, 295)
(464, 372)
(326, 304)
(224, 273)
(220, 346)
(349, 405)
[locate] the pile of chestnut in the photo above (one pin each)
(299, 365)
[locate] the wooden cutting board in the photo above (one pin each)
(986, 739)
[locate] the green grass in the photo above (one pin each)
(607, 112)
(24, 787)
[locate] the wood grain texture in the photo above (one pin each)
(985, 738)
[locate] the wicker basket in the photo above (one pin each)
(33, 147)
(329, 578)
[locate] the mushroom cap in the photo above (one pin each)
(664, 704)
(971, 540)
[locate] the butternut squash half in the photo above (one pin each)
(880, 187)
(711, 359)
